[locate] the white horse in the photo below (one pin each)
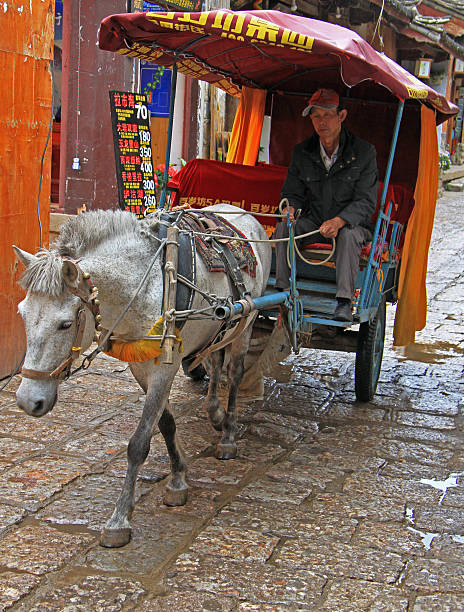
(116, 250)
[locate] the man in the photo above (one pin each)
(333, 181)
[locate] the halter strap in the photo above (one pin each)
(87, 293)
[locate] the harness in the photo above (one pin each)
(177, 301)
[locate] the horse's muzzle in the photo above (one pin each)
(36, 404)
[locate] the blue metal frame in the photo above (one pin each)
(384, 217)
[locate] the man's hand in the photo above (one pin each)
(331, 227)
(291, 212)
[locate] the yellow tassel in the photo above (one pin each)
(142, 350)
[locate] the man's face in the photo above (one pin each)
(327, 122)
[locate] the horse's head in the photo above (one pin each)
(54, 319)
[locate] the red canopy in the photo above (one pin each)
(266, 50)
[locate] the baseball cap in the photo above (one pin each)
(325, 98)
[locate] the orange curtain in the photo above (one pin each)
(412, 297)
(248, 123)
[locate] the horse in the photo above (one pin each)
(110, 252)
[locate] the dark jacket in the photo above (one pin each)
(348, 190)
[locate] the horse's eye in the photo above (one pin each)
(65, 325)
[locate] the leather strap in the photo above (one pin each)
(231, 266)
(206, 352)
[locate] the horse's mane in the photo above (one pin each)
(77, 236)
(44, 275)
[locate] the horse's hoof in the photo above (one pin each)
(226, 451)
(115, 538)
(175, 497)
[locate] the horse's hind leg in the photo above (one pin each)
(214, 409)
(227, 448)
(177, 489)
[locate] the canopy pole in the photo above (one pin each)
(399, 115)
(162, 201)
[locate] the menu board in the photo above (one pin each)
(132, 149)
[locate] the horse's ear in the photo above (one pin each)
(24, 257)
(70, 273)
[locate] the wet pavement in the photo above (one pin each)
(330, 505)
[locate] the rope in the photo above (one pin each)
(272, 240)
(312, 263)
(101, 343)
(236, 212)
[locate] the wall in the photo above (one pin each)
(26, 47)
(88, 75)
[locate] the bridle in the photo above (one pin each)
(83, 289)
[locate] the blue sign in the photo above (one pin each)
(152, 7)
(155, 83)
(58, 19)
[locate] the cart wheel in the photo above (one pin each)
(369, 354)
(197, 373)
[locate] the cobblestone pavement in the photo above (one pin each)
(330, 505)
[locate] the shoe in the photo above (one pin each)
(343, 312)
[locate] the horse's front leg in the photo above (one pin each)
(117, 531)
(227, 447)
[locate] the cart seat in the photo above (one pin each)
(203, 182)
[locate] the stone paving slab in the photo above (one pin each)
(398, 488)
(353, 595)
(331, 504)
(435, 575)
(150, 531)
(35, 481)
(39, 431)
(254, 582)
(102, 593)
(340, 559)
(242, 545)
(77, 507)
(362, 505)
(440, 602)
(188, 601)
(39, 549)
(295, 522)
(15, 586)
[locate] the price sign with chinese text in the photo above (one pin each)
(132, 148)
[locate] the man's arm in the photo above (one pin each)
(364, 202)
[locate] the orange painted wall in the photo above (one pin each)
(26, 48)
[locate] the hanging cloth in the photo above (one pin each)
(248, 124)
(411, 311)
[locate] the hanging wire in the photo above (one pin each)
(377, 26)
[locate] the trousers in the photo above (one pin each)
(348, 245)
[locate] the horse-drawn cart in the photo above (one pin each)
(101, 275)
(274, 61)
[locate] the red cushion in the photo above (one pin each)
(202, 182)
